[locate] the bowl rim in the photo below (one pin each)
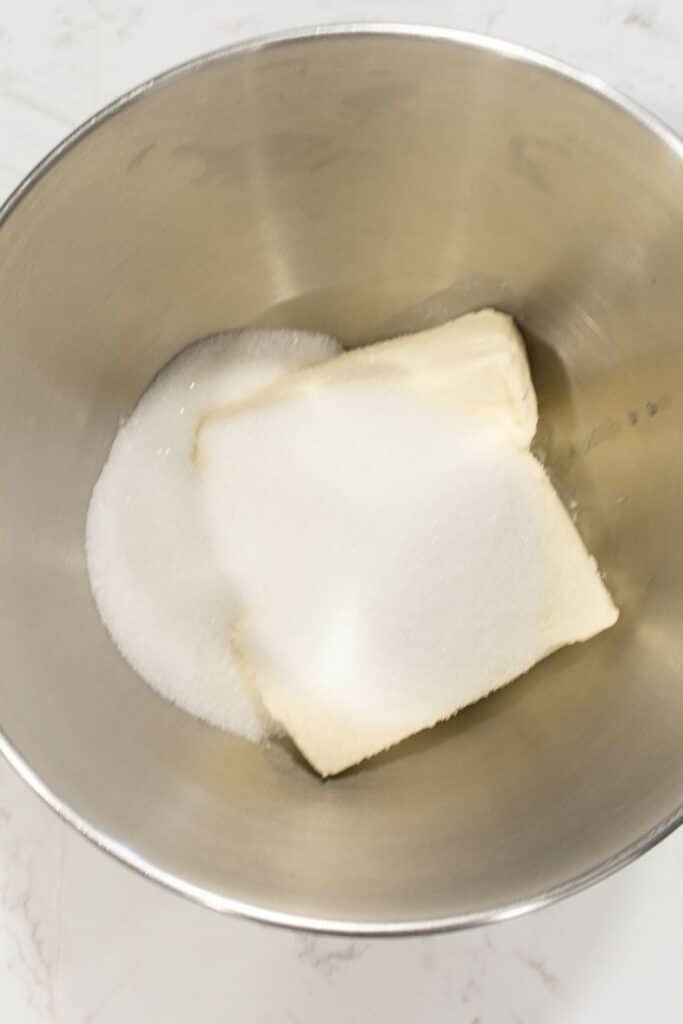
(127, 854)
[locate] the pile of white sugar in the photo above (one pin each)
(348, 549)
(152, 566)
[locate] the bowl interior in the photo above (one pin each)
(364, 184)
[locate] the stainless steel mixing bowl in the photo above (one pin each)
(362, 181)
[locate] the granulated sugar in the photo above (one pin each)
(152, 568)
(353, 548)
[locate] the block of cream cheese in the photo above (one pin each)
(397, 550)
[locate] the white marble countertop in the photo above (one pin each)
(85, 941)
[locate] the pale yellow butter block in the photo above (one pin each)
(398, 551)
